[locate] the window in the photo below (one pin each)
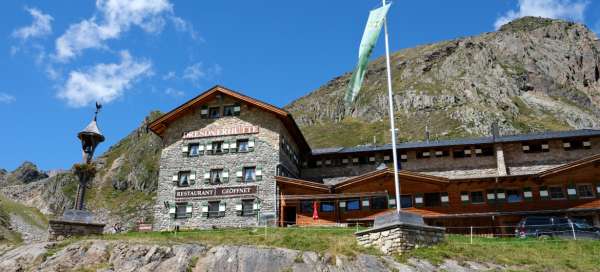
(242, 145)
(378, 203)
(406, 201)
(213, 209)
(181, 210)
(213, 112)
(353, 205)
(477, 197)
(514, 196)
(306, 206)
(458, 153)
(363, 160)
(194, 150)
(228, 110)
(249, 174)
(556, 192)
(585, 190)
(484, 151)
(216, 175)
(432, 199)
(327, 207)
(248, 207)
(184, 179)
(577, 144)
(217, 147)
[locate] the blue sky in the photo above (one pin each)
(58, 57)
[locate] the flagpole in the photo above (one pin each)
(392, 125)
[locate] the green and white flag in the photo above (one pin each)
(369, 38)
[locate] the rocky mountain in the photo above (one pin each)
(533, 74)
(122, 191)
(26, 173)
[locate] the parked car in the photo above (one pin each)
(554, 226)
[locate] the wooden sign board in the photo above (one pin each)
(219, 191)
(224, 131)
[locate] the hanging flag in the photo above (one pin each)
(367, 44)
(315, 213)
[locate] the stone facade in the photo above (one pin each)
(400, 238)
(59, 229)
(266, 155)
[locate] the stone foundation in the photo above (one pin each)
(400, 237)
(60, 229)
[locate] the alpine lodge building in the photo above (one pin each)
(229, 160)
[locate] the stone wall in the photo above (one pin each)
(266, 155)
(400, 238)
(58, 229)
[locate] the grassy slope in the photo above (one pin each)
(30, 215)
(518, 254)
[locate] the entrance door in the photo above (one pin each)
(289, 216)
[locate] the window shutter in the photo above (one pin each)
(185, 148)
(172, 210)
(233, 146)
(222, 208)
(225, 146)
(491, 196)
(571, 191)
(238, 207)
(251, 144)
(225, 176)
(256, 206)
(500, 195)
(175, 178)
(544, 193)
(464, 197)
(188, 210)
(445, 198)
(204, 112)
(201, 149)
(391, 201)
(204, 208)
(365, 203)
(598, 190)
(192, 178)
(527, 194)
(342, 205)
(236, 109)
(258, 173)
(206, 177)
(209, 148)
(419, 200)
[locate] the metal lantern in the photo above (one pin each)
(90, 137)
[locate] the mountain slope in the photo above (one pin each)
(533, 74)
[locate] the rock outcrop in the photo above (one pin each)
(533, 74)
(100, 255)
(26, 173)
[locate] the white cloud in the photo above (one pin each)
(40, 27)
(116, 17)
(169, 75)
(182, 25)
(6, 98)
(556, 9)
(103, 82)
(174, 92)
(196, 71)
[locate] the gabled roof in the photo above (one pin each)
(570, 166)
(159, 125)
(304, 183)
(388, 172)
(460, 142)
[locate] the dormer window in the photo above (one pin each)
(228, 110)
(214, 112)
(217, 147)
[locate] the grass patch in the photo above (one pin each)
(30, 215)
(525, 254)
(332, 240)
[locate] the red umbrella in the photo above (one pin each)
(315, 213)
